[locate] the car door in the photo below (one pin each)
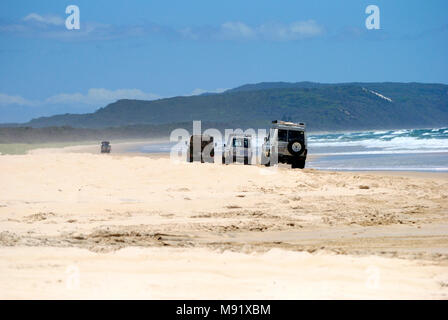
(239, 147)
(282, 140)
(248, 148)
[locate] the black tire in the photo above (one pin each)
(292, 147)
(298, 164)
(246, 160)
(234, 158)
(264, 159)
(223, 159)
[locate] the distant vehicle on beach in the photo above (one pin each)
(287, 144)
(237, 149)
(201, 148)
(105, 147)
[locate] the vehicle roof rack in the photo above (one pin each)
(288, 123)
(240, 135)
(202, 135)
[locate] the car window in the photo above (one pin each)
(246, 143)
(282, 135)
(237, 143)
(295, 135)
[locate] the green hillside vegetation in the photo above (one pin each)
(322, 106)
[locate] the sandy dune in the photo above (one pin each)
(80, 225)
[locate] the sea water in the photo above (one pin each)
(404, 150)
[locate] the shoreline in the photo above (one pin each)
(127, 148)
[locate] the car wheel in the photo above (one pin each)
(295, 147)
(264, 159)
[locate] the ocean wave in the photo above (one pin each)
(432, 140)
(378, 152)
(398, 143)
(375, 134)
(399, 132)
(429, 169)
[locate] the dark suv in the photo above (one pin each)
(105, 147)
(286, 143)
(201, 148)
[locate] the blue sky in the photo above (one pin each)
(153, 49)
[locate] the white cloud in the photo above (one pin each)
(94, 97)
(293, 31)
(100, 96)
(236, 29)
(14, 100)
(188, 33)
(53, 27)
(199, 91)
(47, 19)
(306, 28)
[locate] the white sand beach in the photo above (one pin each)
(77, 224)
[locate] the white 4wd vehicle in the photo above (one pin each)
(286, 143)
(237, 149)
